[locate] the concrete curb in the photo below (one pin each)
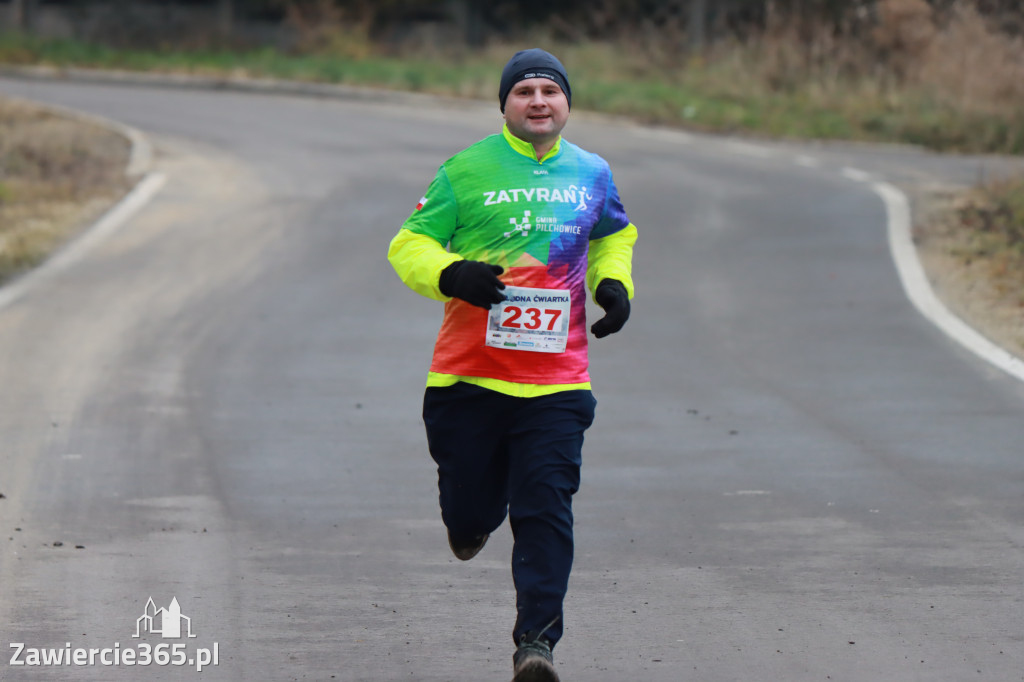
(920, 292)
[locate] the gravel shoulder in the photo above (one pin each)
(57, 176)
(979, 285)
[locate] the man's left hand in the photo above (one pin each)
(612, 296)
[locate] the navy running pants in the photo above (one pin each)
(499, 455)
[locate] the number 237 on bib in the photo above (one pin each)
(530, 320)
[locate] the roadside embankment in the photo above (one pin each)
(58, 173)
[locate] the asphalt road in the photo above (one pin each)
(792, 476)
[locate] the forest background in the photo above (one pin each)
(944, 74)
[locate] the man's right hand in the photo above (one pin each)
(474, 282)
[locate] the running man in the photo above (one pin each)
(510, 235)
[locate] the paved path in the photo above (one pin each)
(793, 475)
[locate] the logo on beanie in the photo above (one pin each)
(541, 74)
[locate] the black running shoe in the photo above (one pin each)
(467, 550)
(532, 661)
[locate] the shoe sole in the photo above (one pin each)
(536, 671)
(466, 554)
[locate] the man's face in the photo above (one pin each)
(536, 110)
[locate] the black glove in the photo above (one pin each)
(474, 282)
(611, 295)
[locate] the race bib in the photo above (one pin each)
(530, 319)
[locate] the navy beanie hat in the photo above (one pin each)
(535, 63)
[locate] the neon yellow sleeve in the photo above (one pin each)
(611, 257)
(419, 259)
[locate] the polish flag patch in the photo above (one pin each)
(421, 204)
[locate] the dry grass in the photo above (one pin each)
(976, 67)
(972, 247)
(55, 173)
(958, 56)
(952, 81)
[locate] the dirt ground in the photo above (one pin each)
(57, 175)
(971, 277)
